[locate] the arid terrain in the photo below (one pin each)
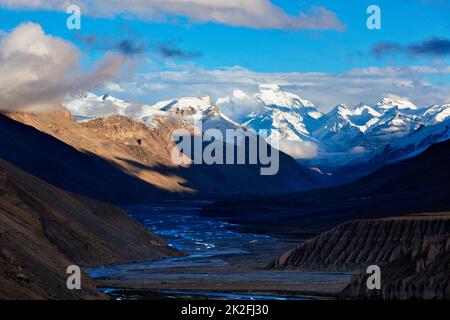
(224, 150)
(144, 154)
(44, 229)
(412, 253)
(340, 229)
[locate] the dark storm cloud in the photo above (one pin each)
(385, 48)
(128, 46)
(133, 45)
(435, 47)
(168, 51)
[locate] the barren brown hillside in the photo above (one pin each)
(44, 229)
(116, 139)
(144, 152)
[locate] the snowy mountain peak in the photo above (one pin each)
(437, 113)
(194, 104)
(239, 94)
(269, 87)
(237, 97)
(362, 109)
(340, 111)
(89, 105)
(280, 114)
(199, 109)
(393, 102)
(342, 108)
(273, 95)
(89, 95)
(110, 98)
(283, 115)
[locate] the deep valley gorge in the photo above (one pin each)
(338, 229)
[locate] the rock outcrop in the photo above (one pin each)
(413, 253)
(359, 243)
(421, 272)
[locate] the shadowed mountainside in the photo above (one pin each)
(357, 244)
(114, 139)
(68, 168)
(421, 272)
(413, 254)
(209, 180)
(415, 185)
(144, 153)
(47, 226)
(44, 229)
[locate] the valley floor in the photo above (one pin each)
(222, 262)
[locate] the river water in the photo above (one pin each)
(217, 253)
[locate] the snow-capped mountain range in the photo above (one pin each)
(343, 135)
(276, 111)
(90, 106)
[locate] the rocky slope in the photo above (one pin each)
(153, 153)
(420, 272)
(76, 170)
(115, 139)
(44, 229)
(143, 153)
(413, 254)
(359, 243)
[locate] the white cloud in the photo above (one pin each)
(113, 87)
(38, 70)
(399, 71)
(258, 14)
(239, 103)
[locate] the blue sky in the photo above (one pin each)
(264, 52)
